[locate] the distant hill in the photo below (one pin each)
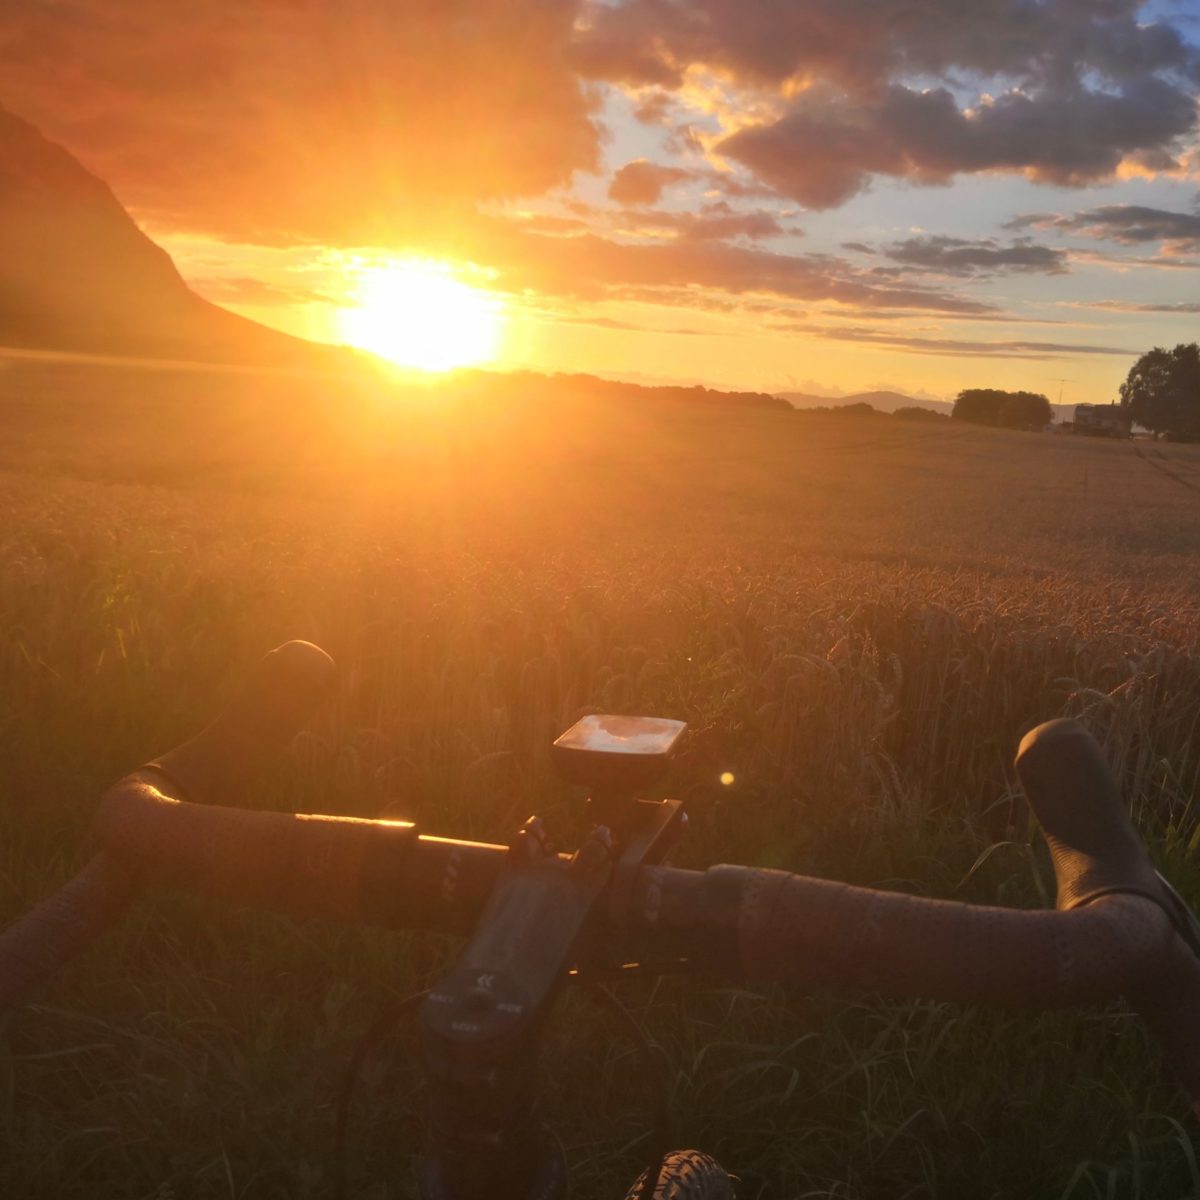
(76, 273)
(611, 389)
(880, 401)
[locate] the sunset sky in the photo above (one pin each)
(778, 194)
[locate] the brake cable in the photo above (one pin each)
(374, 1036)
(652, 1061)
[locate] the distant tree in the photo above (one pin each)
(859, 409)
(1026, 410)
(557, 387)
(1162, 391)
(1009, 410)
(979, 406)
(913, 412)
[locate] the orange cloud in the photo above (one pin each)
(642, 182)
(590, 266)
(365, 121)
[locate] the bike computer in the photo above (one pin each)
(616, 753)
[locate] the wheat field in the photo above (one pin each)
(858, 618)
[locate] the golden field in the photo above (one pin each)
(858, 617)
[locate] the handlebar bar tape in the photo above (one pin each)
(1169, 1003)
(298, 864)
(819, 933)
(36, 946)
(339, 868)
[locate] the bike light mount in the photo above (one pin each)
(615, 757)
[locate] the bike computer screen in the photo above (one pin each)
(614, 751)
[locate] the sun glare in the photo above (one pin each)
(420, 313)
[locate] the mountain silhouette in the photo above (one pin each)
(881, 401)
(77, 274)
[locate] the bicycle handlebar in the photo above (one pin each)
(341, 868)
(1113, 934)
(761, 924)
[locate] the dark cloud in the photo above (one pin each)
(1081, 85)
(1128, 224)
(899, 314)
(358, 122)
(917, 344)
(727, 184)
(595, 267)
(984, 256)
(860, 45)
(827, 146)
(1039, 220)
(783, 315)
(1126, 262)
(821, 153)
(643, 182)
(1127, 306)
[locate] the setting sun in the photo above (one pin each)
(420, 313)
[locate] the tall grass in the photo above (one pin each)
(857, 624)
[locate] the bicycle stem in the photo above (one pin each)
(482, 1024)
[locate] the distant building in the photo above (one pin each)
(1102, 420)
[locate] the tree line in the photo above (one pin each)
(1161, 393)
